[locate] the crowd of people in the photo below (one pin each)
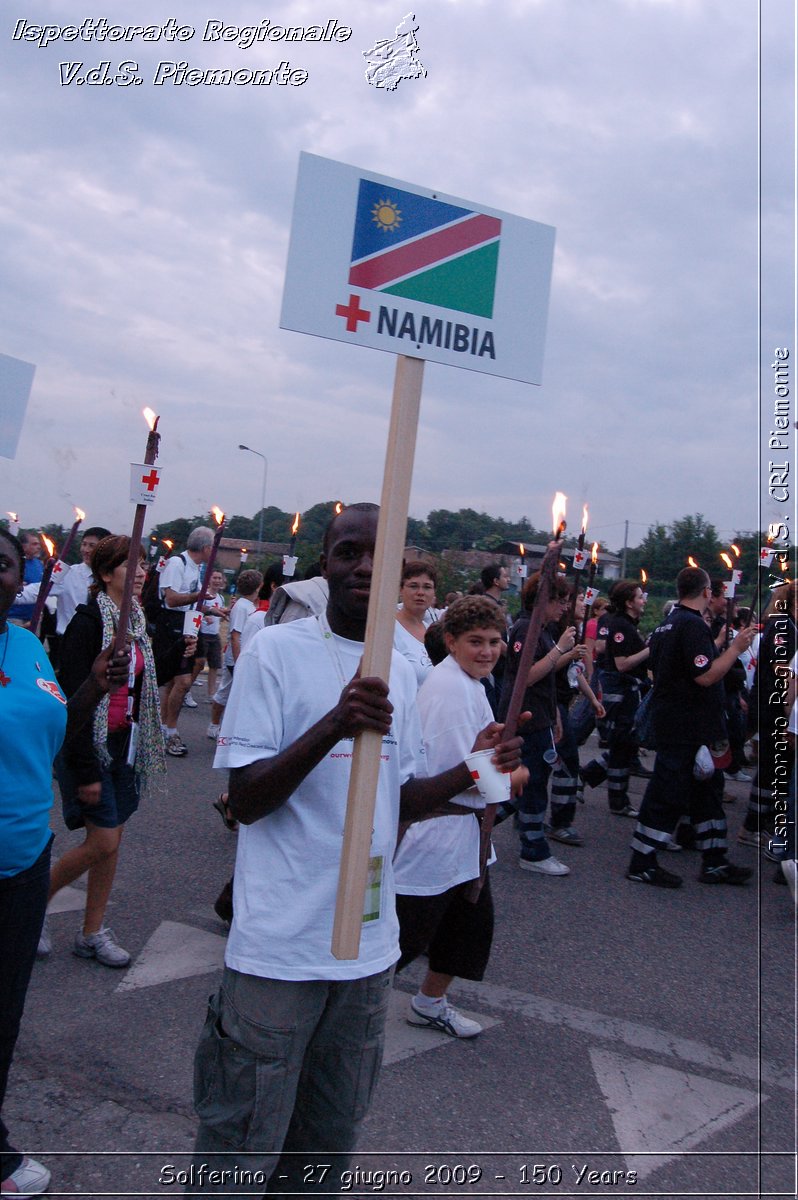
(292, 1044)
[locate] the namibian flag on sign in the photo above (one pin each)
(425, 250)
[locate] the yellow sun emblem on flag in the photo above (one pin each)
(386, 215)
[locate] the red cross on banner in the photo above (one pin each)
(59, 568)
(353, 312)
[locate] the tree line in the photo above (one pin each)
(662, 552)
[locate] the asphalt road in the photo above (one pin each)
(636, 1042)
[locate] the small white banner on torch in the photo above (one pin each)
(144, 481)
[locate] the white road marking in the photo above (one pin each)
(614, 1029)
(175, 951)
(656, 1108)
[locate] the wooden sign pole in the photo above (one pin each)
(377, 650)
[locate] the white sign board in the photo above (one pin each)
(386, 264)
(16, 380)
(144, 481)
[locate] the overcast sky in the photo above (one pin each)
(144, 233)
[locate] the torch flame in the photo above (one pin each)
(726, 559)
(558, 514)
(218, 515)
(151, 418)
(736, 550)
(295, 526)
(521, 549)
(691, 562)
(584, 519)
(168, 543)
(643, 576)
(772, 533)
(79, 514)
(48, 545)
(14, 516)
(594, 553)
(339, 507)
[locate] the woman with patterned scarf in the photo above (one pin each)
(104, 768)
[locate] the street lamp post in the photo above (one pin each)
(263, 489)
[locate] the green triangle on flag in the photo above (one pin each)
(466, 284)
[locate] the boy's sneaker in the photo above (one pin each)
(102, 946)
(31, 1178)
(447, 1018)
(189, 701)
(175, 746)
(213, 731)
(725, 872)
(656, 876)
(45, 946)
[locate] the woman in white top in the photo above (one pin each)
(417, 593)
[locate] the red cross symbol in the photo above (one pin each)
(4, 679)
(58, 568)
(151, 480)
(353, 313)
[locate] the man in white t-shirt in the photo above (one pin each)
(179, 588)
(293, 1042)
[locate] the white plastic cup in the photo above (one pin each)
(492, 784)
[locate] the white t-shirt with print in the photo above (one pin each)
(182, 575)
(286, 873)
(238, 619)
(437, 854)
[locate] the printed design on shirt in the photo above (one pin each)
(700, 660)
(517, 647)
(618, 637)
(52, 689)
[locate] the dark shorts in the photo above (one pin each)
(209, 647)
(456, 933)
(167, 646)
(119, 796)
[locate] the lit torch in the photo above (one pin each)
(289, 560)
(691, 562)
(218, 517)
(339, 508)
(766, 555)
(643, 582)
(150, 455)
(548, 570)
(521, 567)
(79, 516)
(590, 591)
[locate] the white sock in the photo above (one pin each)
(430, 1004)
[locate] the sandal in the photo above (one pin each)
(221, 806)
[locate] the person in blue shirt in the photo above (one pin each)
(34, 718)
(32, 572)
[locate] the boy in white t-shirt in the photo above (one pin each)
(248, 587)
(436, 860)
